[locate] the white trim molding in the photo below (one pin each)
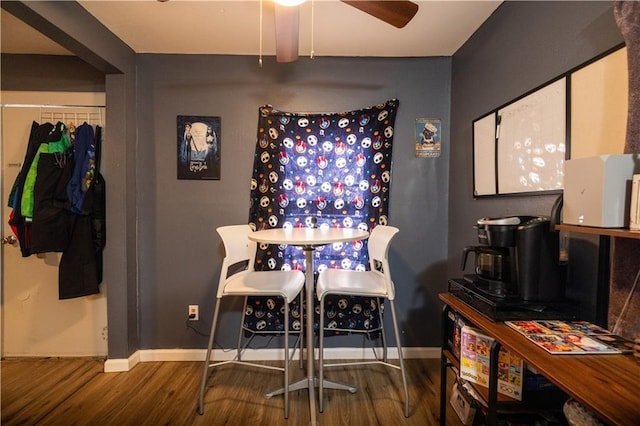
(163, 355)
(118, 365)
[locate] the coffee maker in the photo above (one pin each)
(518, 259)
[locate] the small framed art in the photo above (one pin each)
(198, 143)
(428, 137)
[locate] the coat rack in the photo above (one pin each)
(90, 115)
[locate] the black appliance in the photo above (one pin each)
(492, 264)
(517, 273)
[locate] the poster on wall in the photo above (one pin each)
(198, 147)
(428, 142)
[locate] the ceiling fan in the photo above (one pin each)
(397, 13)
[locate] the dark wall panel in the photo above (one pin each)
(49, 73)
(520, 47)
(180, 251)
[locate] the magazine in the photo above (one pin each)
(475, 349)
(572, 337)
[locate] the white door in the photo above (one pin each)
(35, 322)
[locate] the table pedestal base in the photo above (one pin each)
(311, 384)
(305, 383)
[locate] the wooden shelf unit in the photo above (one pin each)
(609, 232)
(604, 261)
(606, 384)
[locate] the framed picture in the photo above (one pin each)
(198, 143)
(428, 137)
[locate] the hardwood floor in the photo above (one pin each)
(66, 391)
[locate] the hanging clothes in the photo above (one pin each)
(52, 221)
(57, 143)
(44, 200)
(21, 228)
(58, 204)
(80, 270)
(84, 153)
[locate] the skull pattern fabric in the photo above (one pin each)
(324, 170)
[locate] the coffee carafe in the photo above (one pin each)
(490, 263)
(528, 250)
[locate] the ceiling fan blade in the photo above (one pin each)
(287, 32)
(397, 13)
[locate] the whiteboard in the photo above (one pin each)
(531, 141)
(484, 155)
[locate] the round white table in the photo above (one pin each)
(309, 239)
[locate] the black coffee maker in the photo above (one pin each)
(519, 258)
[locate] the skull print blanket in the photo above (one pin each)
(326, 170)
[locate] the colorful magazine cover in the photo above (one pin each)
(553, 343)
(571, 337)
(586, 343)
(617, 342)
(588, 328)
(475, 350)
(557, 326)
(528, 327)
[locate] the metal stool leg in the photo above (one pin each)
(301, 335)
(321, 356)
(239, 346)
(286, 360)
(383, 334)
(401, 357)
(207, 359)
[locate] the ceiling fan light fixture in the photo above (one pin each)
(289, 2)
(287, 33)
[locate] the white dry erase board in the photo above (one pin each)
(531, 140)
(484, 155)
(520, 147)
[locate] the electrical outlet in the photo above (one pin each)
(193, 313)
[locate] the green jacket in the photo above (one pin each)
(60, 146)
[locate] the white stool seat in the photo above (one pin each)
(267, 283)
(353, 283)
(249, 282)
(373, 283)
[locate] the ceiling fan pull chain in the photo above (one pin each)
(260, 57)
(313, 9)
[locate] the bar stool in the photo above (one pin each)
(373, 283)
(248, 282)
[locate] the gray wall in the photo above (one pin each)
(520, 47)
(180, 253)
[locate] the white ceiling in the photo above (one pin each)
(233, 27)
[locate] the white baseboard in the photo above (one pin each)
(148, 355)
(118, 365)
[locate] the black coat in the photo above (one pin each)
(80, 270)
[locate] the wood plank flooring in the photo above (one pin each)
(56, 391)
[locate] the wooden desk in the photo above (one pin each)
(609, 385)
